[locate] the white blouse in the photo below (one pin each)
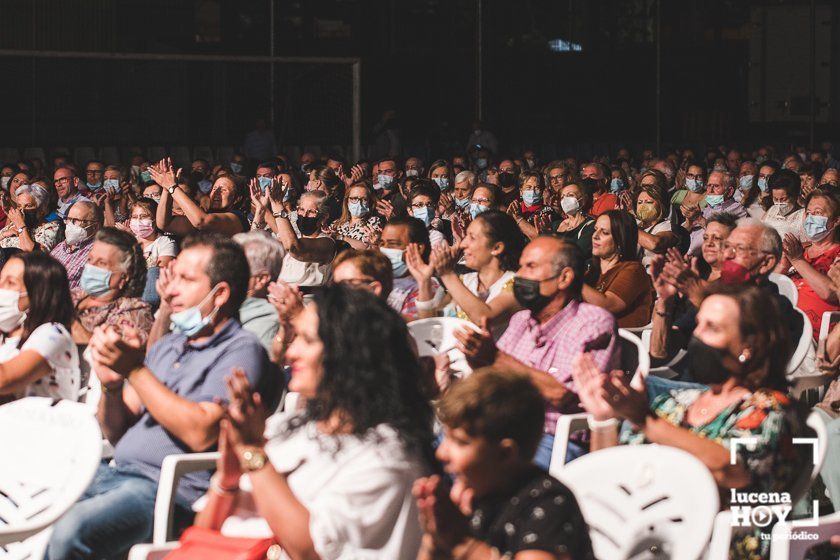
(357, 491)
(791, 223)
(53, 343)
(470, 281)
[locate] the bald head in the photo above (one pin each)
(549, 257)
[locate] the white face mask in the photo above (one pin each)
(11, 317)
(74, 234)
(570, 204)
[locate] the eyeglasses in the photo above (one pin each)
(62, 180)
(481, 200)
(740, 250)
(419, 205)
(78, 222)
(306, 213)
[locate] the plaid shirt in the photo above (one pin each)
(551, 347)
(73, 259)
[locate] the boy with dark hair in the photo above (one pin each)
(501, 505)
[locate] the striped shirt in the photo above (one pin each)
(552, 346)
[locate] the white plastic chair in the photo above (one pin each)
(436, 335)
(806, 342)
(171, 471)
(786, 287)
(51, 450)
(643, 367)
(644, 501)
(722, 534)
(667, 370)
(785, 548)
(567, 424)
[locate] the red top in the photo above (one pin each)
(604, 203)
(809, 302)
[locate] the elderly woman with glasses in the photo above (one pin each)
(26, 228)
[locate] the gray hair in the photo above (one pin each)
(467, 176)
(770, 241)
(728, 177)
(567, 255)
(98, 217)
(37, 192)
(264, 252)
(320, 199)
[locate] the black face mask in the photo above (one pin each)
(705, 363)
(527, 293)
(506, 180)
(30, 218)
(307, 225)
(197, 176)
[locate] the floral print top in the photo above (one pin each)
(123, 311)
(46, 235)
(774, 463)
(357, 231)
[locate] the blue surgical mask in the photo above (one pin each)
(265, 183)
(146, 176)
(481, 163)
(695, 185)
(384, 181)
(424, 214)
(112, 185)
(358, 209)
(205, 186)
(616, 185)
(816, 227)
(531, 198)
(762, 184)
(94, 186)
(442, 182)
(236, 167)
(462, 202)
(745, 182)
(396, 257)
(189, 322)
(476, 209)
(714, 199)
(95, 281)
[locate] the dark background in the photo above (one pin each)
(735, 72)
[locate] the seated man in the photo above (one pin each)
(265, 260)
(83, 220)
(492, 424)
(171, 403)
(543, 340)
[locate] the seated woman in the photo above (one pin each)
(693, 191)
(423, 202)
(532, 215)
(577, 224)
(739, 353)
(808, 266)
(332, 481)
(491, 248)
(223, 216)
(27, 228)
(37, 356)
(501, 505)
(358, 226)
(308, 259)
(785, 216)
(112, 282)
(616, 280)
(158, 249)
(655, 235)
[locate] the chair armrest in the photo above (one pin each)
(721, 537)
(566, 425)
(171, 471)
(152, 551)
(825, 324)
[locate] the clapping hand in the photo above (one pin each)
(163, 173)
(440, 518)
(286, 299)
(162, 285)
(385, 209)
(589, 383)
(16, 217)
(245, 414)
(478, 347)
(120, 352)
(792, 247)
(419, 269)
(258, 198)
(443, 259)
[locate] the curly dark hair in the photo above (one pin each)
(370, 371)
(131, 257)
(501, 228)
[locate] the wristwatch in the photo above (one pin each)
(172, 189)
(253, 459)
(281, 214)
(20, 230)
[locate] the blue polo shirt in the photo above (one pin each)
(195, 372)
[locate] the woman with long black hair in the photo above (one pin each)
(37, 354)
(335, 479)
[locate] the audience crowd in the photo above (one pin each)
(184, 303)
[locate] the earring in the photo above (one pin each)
(743, 358)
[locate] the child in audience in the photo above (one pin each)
(501, 505)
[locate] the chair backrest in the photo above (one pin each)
(786, 287)
(436, 336)
(644, 501)
(808, 476)
(634, 354)
(804, 344)
(51, 450)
